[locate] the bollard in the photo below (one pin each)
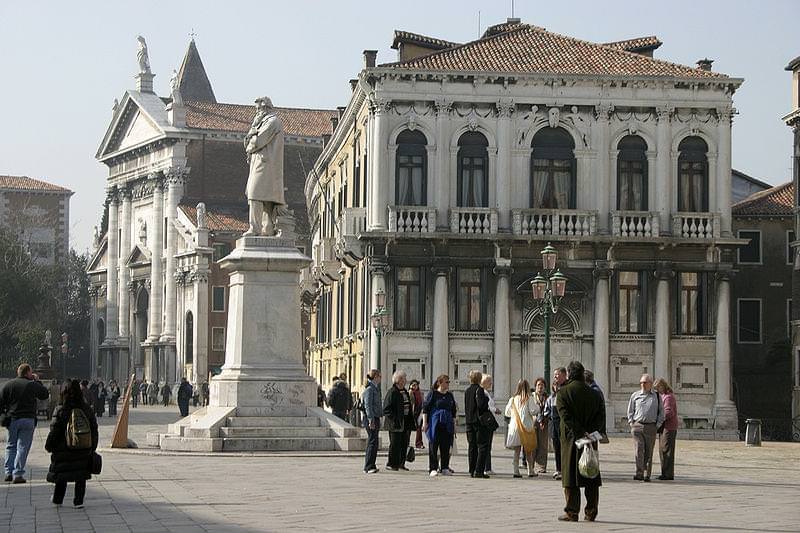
(752, 436)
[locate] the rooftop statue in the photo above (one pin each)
(142, 56)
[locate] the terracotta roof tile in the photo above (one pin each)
(777, 201)
(24, 183)
(635, 44)
(433, 43)
(236, 117)
(221, 218)
(526, 49)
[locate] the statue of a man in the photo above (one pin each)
(142, 56)
(264, 147)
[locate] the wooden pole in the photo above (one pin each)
(120, 438)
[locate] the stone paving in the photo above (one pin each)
(720, 486)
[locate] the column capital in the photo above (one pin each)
(378, 267)
(442, 107)
(112, 195)
(602, 270)
(505, 108)
(602, 111)
(664, 113)
(663, 272)
(725, 114)
(723, 275)
(125, 193)
(502, 267)
(132, 286)
(157, 180)
(380, 106)
(441, 270)
(176, 175)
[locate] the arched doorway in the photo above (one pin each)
(189, 343)
(140, 325)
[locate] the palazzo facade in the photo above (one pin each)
(451, 169)
(176, 204)
(793, 121)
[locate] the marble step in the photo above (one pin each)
(273, 421)
(284, 432)
(243, 444)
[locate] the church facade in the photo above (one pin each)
(452, 168)
(175, 205)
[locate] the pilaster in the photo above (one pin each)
(505, 108)
(723, 177)
(378, 172)
(663, 181)
(112, 282)
(602, 174)
(124, 272)
(724, 408)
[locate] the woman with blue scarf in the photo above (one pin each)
(438, 422)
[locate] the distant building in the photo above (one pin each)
(761, 301)
(38, 212)
(742, 186)
(176, 203)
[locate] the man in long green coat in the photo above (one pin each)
(582, 412)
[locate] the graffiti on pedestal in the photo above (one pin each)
(272, 394)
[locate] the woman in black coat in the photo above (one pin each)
(398, 408)
(69, 464)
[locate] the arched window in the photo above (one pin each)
(632, 174)
(693, 175)
(101, 331)
(473, 170)
(412, 168)
(189, 332)
(553, 184)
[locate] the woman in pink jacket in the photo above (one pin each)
(668, 431)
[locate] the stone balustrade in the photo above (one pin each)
(687, 225)
(567, 222)
(354, 221)
(634, 224)
(412, 219)
(473, 220)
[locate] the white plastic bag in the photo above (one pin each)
(589, 463)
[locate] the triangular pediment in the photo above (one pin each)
(98, 261)
(138, 119)
(138, 256)
(139, 130)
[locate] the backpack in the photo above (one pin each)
(79, 431)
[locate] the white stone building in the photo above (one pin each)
(176, 204)
(452, 168)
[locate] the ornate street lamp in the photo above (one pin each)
(380, 321)
(548, 290)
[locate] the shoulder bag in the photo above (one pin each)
(526, 436)
(486, 419)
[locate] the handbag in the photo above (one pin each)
(527, 437)
(411, 454)
(486, 419)
(95, 463)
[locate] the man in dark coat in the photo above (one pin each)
(340, 400)
(475, 404)
(184, 394)
(582, 412)
(18, 399)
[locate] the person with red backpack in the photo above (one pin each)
(71, 442)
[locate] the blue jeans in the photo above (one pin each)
(20, 437)
(371, 453)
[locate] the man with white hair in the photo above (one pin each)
(645, 414)
(264, 146)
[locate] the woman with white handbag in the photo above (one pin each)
(522, 409)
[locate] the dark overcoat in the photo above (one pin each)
(395, 420)
(66, 464)
(581, 411)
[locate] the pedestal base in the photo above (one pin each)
(268, 396)
(725, 416)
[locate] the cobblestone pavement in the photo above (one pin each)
(719, 487)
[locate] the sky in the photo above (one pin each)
(63, 63)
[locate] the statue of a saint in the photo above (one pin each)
(201, 216)
(174, 89)
(47, 337)
(264, 147)
(142, 57)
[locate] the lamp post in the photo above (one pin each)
(548, 290)
(380, 321)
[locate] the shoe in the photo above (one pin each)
(8, 478)
(57, 504)
(638, 478)
(590, 517)
(472, 474)
(665, 478)
(403, 468)
(18, 480)
(78, 506)
(557, 476)
(392, 468)
(646, 480)
(518, 476)
(482, 476)
(371, 471)
(533, 475)
(446, 472)
(434, 473)
(489, 472)
(568, 517)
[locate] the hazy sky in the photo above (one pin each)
(63, 62)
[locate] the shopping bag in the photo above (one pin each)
(411, 454)
(589, 463)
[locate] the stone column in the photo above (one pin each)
(601, 336)
(175, 177)
(663, 176)
(502, 332)
(124, 272)
(440, 352)
(378, 273)
(723, 177)
(156, 269)
(662, 325)
(379, 179)
(724, 409)
(503, 175)
(199, 279)
(601, 176)
(112, 286)
(442, 176)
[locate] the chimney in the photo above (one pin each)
(704, 64)
(369, 58)
(513, 20)
(353, 84)
(340, 111)
(334, 123)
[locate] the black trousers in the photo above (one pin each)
(398, 446)
(61, 490)
(556, 436)
(183, 406)
(573, 497)
(371, 453)
(440, 447)
(112, 408)
(479, 439)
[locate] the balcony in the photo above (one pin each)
(482, 220)
(353, 222)
(562, 222)
(326, 264)
(695, 225)
(634, 224)
(412, 219)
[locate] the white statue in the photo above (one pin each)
(264, 147)
(174, 89)
(47, 337)
(143, 232)
(96, 238)
(553, 116)
(201, 216)
(142, 56)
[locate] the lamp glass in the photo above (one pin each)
(549, 257)
(380, 298)
(538, 286)
(559, 282)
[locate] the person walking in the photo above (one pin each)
(152, 392)
(487, 383)
(339, 399)
(102, 395)
(550, 411)
(542, 428)
(68, 461)
(438, 422)
(668, 431)
(134, 393)
(645, 415)
(143, 387)
(478, 435)
(522, 411)
(184, 395)
(113, 397)
(373, 411)
(399, 415)
(205, 392)
(581, 412)
(416, 397)
(166, 392)
(18, 399)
